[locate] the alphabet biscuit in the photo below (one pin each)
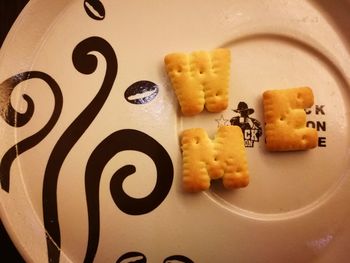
(205, 159)
(285, 119)
(200, 79)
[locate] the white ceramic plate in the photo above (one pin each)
(78, 118)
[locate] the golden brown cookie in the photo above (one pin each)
(285, 119)
(200, 79)
(205, 159)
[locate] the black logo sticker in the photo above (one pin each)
(251, 127)
(318, 112)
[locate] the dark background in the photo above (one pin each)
(9, 10)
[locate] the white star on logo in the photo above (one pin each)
(222, 121)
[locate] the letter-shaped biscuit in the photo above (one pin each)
(205, 159)
(285, 119)
(200, 79)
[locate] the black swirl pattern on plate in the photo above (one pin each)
(122, 140)
(119, 141)
(18, 119)
(85, 63)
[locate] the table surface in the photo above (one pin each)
(9, 10)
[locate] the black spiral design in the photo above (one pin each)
(119, 141)
(18, 119)
(85, 63)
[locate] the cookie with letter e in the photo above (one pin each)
(285, 119)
